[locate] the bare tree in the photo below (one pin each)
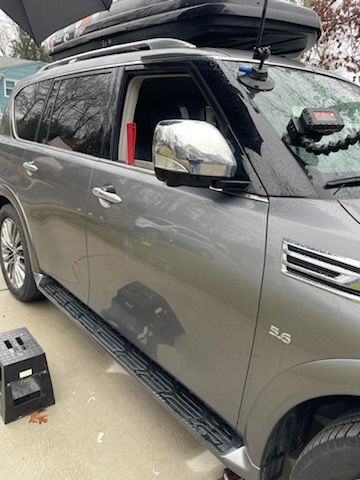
(23, 46)
(339, 47)
(7, 35)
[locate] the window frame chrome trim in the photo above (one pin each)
(254, 196)
(126, 166)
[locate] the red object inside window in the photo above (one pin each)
(131, 142)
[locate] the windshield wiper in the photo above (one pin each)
(343, 182)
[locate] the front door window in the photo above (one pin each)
(151, 100)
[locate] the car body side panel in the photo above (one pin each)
(55, 202)
(178, 272)
(322, 325)
(11, 157)
(323, 378)
(11, 198)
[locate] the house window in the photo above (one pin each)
(9, 87)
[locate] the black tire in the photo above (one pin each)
(333, 454)
(28, 291)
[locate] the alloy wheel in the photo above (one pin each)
(12, 253)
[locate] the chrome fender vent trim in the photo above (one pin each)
(339, 275)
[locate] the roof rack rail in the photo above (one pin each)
(151, 44)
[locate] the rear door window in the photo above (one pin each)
(78, 110)
(29, 105)
(44, 127)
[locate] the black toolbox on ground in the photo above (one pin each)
(25, 383)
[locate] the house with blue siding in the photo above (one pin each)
(13, 70)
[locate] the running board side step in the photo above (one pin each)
(205, 424)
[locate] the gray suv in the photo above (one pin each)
(191, 224)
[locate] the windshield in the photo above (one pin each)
(298, 89)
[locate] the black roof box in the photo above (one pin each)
(290, 29)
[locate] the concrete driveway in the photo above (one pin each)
(104, 426)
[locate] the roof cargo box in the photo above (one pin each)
(290, 29)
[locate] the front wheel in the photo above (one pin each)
(333, 454)
(14, 257)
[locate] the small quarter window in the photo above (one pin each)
(29, 105)
(78, 117)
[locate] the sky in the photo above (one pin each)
(4, 19)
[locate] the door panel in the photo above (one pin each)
(55, 202)
(178, 272)
(56, 177)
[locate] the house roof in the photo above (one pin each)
(8, 62)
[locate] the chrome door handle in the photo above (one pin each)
(107, 196)
(30, 167)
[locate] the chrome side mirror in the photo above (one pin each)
(187, 148)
